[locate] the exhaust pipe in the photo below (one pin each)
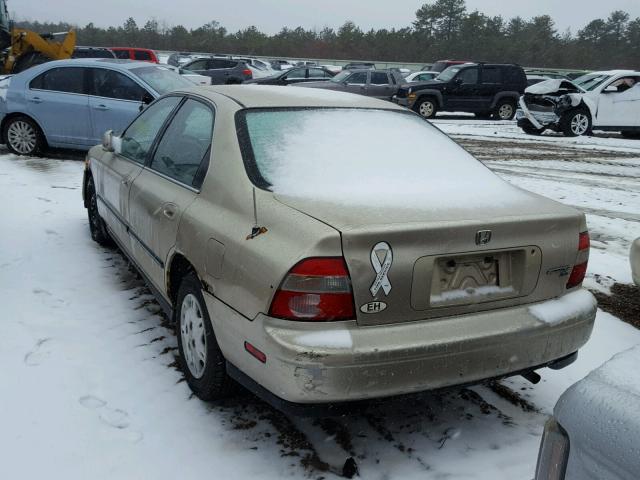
(532, 376)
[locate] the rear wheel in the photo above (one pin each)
(427, 107)
(506, 109)
(575, 123)
(201, 359)
(23, 136)
(97, 227)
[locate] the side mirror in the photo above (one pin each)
(457, 81)
(146, 100)
(111, 142)
(107, 141)
(611, 89)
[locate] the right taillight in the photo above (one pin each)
(315, 289)
(579, 269)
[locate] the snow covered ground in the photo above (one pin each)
(89, 386)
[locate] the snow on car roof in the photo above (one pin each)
(265, 96)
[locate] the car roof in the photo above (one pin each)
(272, 96)
(92, 62)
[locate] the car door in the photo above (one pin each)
(168, 185)
(356, 83)
(380, 85)
(115, 100)
(462, 91)
(115, 171)
(220, 70)
(619, 103)
(315, 74)
(491, 82)
(57, 99)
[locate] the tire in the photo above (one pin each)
(200, 359)
(28, 60)
(505, 109)
(23, 136)
(575, 123)
(427, 107)
(97, 227)
(529, 129)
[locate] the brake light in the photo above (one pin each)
(247, 72)
(580, 268)
(315, 289)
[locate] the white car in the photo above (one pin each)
(607, 100)
(189, 75)
(422, 76)
(594, 433)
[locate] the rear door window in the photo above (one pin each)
(112, 84)
(198, 65)
(138, 139)
(296, 74)
(219, 63)
(185, 144)
(62, 79)
(318, 73)
(491, 75)
(379, 78)
(141, 55)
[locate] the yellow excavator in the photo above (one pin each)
(21, 49)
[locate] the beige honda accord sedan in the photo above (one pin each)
(322, 247)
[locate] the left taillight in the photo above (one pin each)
(315, 289)
(579, 269)
(247, 72)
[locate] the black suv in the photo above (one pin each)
(480, 88)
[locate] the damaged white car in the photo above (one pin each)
(599, 100)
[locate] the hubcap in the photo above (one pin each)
(579, 124)
(505, 112)
(426, 109)
(193, 335)
(22, 137)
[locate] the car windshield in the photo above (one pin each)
(161, 79)
(285, 151)
(590, 81)
(448, 73)
(340, 77)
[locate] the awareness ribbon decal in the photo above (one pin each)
(381, 281)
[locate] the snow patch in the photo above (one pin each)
(564, 308)
(479, 292)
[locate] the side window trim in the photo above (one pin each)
(158, 135)
(165, 126)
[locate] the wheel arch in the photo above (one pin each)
(514, 96)
(178, 267)
(11, 115)
(429, 93)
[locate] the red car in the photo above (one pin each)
(134, 53)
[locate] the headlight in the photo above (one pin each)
(554, 452)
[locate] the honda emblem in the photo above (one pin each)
(483, 237)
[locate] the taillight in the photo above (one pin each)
(247, 72)
(580, 267)
(315, 289)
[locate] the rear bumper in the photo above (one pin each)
(340, 362)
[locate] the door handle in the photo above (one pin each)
(101, 107)
(35, 100)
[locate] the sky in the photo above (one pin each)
(271, 15)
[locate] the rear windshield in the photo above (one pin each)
(161, 79)
(361, 156)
